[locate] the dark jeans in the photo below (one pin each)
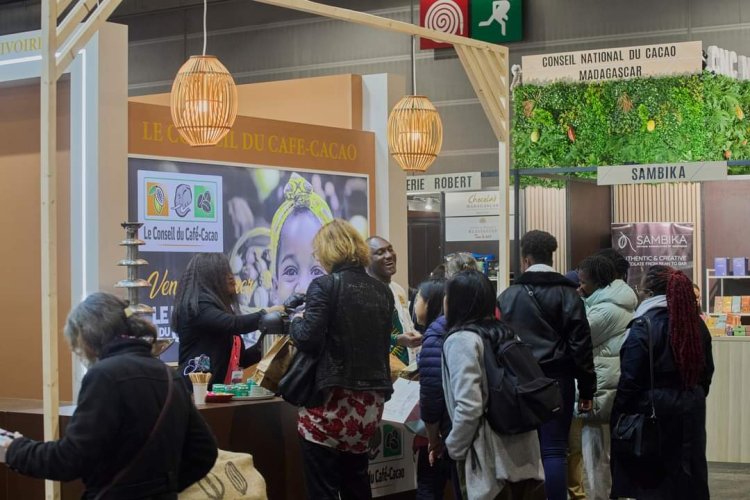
(553, 438)
(431, 480)
(329, 472)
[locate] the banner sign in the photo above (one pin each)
(192, 206)
(727, 62)
(475, 203)
(391, 467)
(614, 64)
(179, 212)
(443, 182)
(494, 21)
(21, 45)
(472, 228)
(663, 172)
(645, 244)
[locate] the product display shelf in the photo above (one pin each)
(707, 296)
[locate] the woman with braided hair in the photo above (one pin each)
(683, 367)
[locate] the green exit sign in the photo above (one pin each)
(496, 21)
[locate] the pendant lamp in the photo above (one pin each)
(204, 98)
(415, 131)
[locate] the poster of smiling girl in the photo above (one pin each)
(263, 218)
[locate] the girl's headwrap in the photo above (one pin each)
(298, 195)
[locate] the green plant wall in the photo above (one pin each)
(652, 120)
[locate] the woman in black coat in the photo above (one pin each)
(132, 436)
(205, 321)
(683, 367)
(346, 324)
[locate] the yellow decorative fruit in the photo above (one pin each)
(740, 114)
(727, 154)
(535, 135)
(650, 125)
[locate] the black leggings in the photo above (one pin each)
(329, 472)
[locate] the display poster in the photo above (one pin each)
(645, 244)
(485, 228)
(200, 206)
(468, 204)
(614, 64)
(392, 468)
(179, 212)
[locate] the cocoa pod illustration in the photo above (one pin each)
(236, 477)
(212, 486)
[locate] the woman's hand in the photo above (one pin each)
(435, 451)
(409, 339)
(6, 438)
(273, 309)
(585, 405)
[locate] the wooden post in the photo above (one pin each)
(48, 181)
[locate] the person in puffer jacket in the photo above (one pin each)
(610, 304)
(434, 466)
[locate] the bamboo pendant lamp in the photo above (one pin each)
(204, 98)
(415, 133)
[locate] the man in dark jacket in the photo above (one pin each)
(545, 311)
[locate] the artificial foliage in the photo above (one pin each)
(649, 120)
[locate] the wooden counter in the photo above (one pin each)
(728, 404)
(265, 429)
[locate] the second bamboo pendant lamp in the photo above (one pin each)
(415, 131)
(204, 98)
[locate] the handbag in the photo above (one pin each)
(298, 386)
(638, 435)
(275, 364)
(137, 457)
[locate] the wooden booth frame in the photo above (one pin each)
(485, 64)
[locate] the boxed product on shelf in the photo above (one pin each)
(739, 266)
(721, 266)
(717, 332)
(739, 331)
(733, 320)
(727, 306)
(745, 304)
(736, 304)
(719, 304)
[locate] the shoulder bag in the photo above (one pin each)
(638, 435)
(137, 457)
(298, 385)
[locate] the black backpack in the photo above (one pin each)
(521, 397)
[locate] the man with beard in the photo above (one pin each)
(383, 267)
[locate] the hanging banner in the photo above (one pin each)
(230, 208)
(646, 244)
(614, 64)
(662, 172)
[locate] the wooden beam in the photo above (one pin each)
(81, 37)
(73, 19)
(482, 88)
(378, 22)
(62, 5)
(48, 181)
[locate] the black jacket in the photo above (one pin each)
(681, 471)
(558, 333)
(120, 400)
(211, 332)
(352, 335)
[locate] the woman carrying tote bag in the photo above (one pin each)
(348, 330)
